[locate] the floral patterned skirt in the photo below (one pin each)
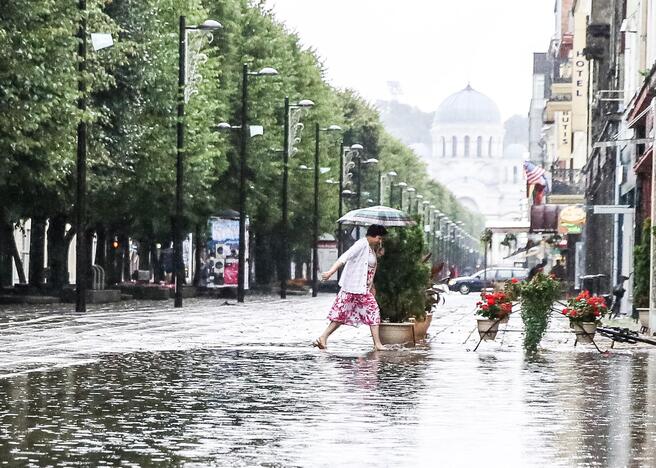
(355, 309)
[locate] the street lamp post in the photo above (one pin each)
(242, 173)
(208, 25)
(315, 216)
(411, 191)
(81, 182)
(303, 104)
(390, 175)
(401, 186)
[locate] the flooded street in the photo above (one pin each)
(239, 385)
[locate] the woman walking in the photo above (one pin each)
(355, 303)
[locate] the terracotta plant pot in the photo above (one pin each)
(643, 316)
(421, 326)
(397, 333)
(487, 328)
(584, 331)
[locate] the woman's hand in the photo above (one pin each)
(325, 276)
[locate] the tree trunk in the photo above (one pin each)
(57, 252)
(263, 259)
(89, 246)
(199, 245)
(125, 258)
(9, 252)
(144, 255)
(37, 252)
(101, 246)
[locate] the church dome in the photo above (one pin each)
(467, 107)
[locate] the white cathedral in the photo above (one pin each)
(468, 157)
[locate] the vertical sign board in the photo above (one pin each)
(220, 262)
(564, 136)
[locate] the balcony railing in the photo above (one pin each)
(567, 182)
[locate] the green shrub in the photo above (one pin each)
(642, 262)
(402, 276)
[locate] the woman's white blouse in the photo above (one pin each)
(356, 263)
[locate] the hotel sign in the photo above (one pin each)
(564, 135)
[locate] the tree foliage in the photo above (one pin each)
(132, 98)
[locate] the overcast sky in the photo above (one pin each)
(432, 48)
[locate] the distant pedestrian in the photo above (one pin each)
(539, 268)
(355, 303)
(453, 272)
(558, 271)
(618, 293)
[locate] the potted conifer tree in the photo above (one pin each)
(401, 283)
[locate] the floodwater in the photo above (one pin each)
(239, 386)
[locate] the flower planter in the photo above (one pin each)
(584, 331)
(505, 319)
(397, 333)
(421, 326)
(487, 328)
(643, 316)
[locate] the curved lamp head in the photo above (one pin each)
(419, 197)
(347, 192)
(224, 126)
(210, 25)
(410, 190)
(303, 167)
(334, 128)
(392, 174)
(370, 161)
(356, 147)
(425, 203)
(306, 103)
(267, 71)
(401, 184)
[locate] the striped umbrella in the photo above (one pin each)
(383, 215)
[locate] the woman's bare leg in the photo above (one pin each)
(378, 345)
(323, 339)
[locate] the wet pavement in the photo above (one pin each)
(144, 384)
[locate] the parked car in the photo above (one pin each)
(488, 278)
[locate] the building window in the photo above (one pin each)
(454, 147)
(479, 147)
(467, 146)
(443, 147)
(489, 148)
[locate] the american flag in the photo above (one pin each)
(534, 174)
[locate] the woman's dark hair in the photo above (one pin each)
(376, 230)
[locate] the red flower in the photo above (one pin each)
(514, 281)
